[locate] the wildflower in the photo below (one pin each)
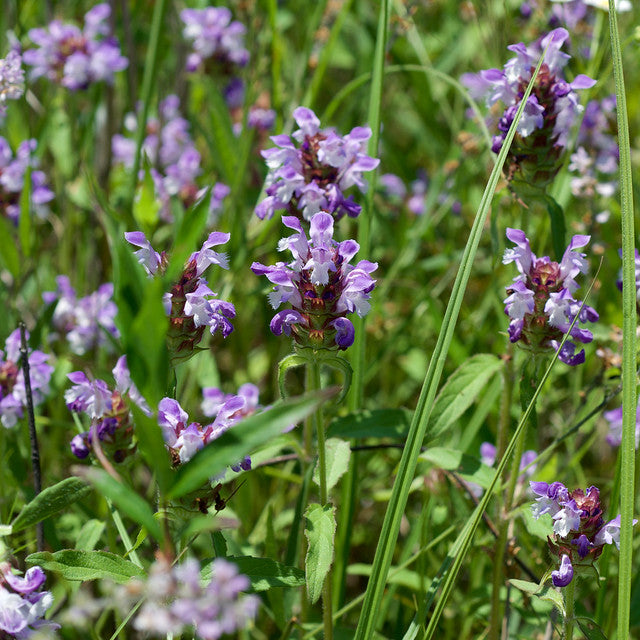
(13, 395)
(541, 304)
(87, 322)
(177, 600)
(579, 530)
(74, 57)
(23, 603)
(313, 175)
(320, 284)
(543, 129)
(214, 36)
(12, 175)
(11, 80)
(111, 419)
(174, 158)
(614, 418)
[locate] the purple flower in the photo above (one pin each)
(614, 418)
(319, 283)
(310, 171)
(11, 80)
(73, 57)
(563, 576)
(541, 305)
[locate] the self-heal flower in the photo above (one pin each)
(310, 170)
(320, 285)
(540, 302)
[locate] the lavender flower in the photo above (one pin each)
(543, 129)
(614, 418)
(541, 304)
(13, 395)
(174, 157)
(73, 57)
(215, 36)
(11, 80)
(12, 174)
(23, 603)
(191, 305)
(320, 284)
(111, 419)
(579, 530)
(177, 600)
(86, 322)
(313, 175)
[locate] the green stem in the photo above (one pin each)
(569, 600)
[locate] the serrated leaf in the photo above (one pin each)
(547, 594)
(52, 500)
(75, 564)
(320, 530)
(338, 453)
(379, 423)
(263, 573)
(461, 390)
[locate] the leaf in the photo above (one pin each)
(380, 423)
(9, 254)
(146, 206)
(263, 573)
(75, 564)
(241, 440)
(319, 531)
(590, 629)
(52, 500)
(460, 391)
(558, 227)
(24, 223)
(90, 534)
(125, 499)
(337, 454)
(535, 590)
(468, 467)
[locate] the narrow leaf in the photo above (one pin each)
(319, 531)
(90, 534)
(379, 423)
(52, 500)
(338, 453)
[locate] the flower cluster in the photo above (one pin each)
(579, 530)
(541, 304)
(190, 305)
(319, 283)
(174, 158)
(11, 80)
(111, 420)
(215, 36)
(550, 110)
(13, 395)
(176, 602)
(12, 174)
(85, 322)
(23, 603)
(313, 175)
(184, 438)
(74, 57)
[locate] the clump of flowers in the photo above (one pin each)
(12, 175)
(177, 600)
(74, 57)
(191, 305)
(535, 155)
(13, 395)
(579, 530)
(111, 419)
(540, 302)
(174, 159)
(614, 418)
(214, 36)
(319, 284)
(11, 80)
(312, 175)
(23, 603)
(87, 322)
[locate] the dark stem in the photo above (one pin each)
(33, 436)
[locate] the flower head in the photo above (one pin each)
(540, 302)
(11, 80)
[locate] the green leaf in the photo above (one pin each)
(52, 500)
(90, 534)
(24, 223)
(468, 467)
(547, 594)
(146, 206)
(224, 141)
(319, 531)
(263, 573)
(9, 254)
(379, 423)
(86, 565)
(338, 453)
(558, 227)
(590, 629)
(461, 390)
(241, 440)
(125, 499)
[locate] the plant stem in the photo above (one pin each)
(569, 600)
